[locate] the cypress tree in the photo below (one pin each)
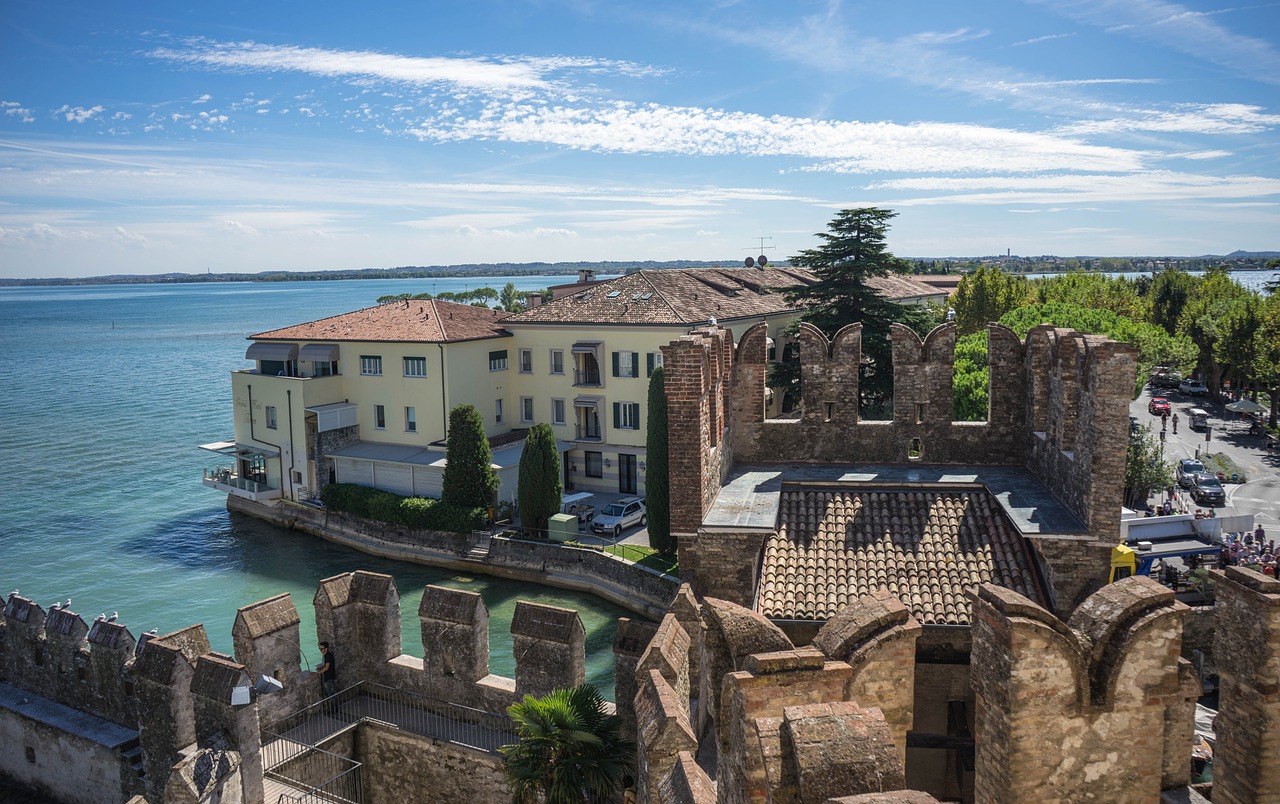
(657, 471)
(540, 478)
(469, 480)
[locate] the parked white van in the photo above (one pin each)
(1198, 418)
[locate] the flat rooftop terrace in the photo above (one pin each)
(750, 496)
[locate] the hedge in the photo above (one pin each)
(412, 512)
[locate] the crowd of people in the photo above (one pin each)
(1252, 550)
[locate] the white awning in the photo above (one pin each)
(231, 449)
(585, 401)
(261, 350)
(319, 353)
(587, 346)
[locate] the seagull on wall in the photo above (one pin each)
(115, 615)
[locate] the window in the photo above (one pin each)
(415, 367)
(498, 360)
(371, 365)
(624, 364)
(379, 417)
(557, 411)
(526, 409)
(626, 415)
(271, 417)
(595, 464)
(526, 361)
(410, 420)
(652, 361)
(497, 411)
(557, 361)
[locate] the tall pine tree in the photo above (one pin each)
(469, 480)
(540, 479)
(853, 251)
(657, 472)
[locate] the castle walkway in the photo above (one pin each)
(306, 759)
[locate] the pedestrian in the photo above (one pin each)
(1175, 424)
(328, 671)
(1164, 421)
(1259, 534)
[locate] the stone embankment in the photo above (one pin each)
(635, 588)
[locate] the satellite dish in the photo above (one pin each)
(749, 262)
(763, 260)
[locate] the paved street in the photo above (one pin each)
(1260, 496)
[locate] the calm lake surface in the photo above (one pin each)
(108, 390)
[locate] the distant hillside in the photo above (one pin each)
(1262, 255)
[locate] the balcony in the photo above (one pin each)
(225, 480)
(586, 378)
(587, 433)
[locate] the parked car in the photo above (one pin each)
(1207, 490)
(1159, 406)
(1193, 387)
(616, 516)
(1165, 378)
(1187, 470)
(580, 505)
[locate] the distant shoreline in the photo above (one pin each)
(927, 266)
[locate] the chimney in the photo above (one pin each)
(532, 300)
(586, 274)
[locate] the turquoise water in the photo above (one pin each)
(107, 392)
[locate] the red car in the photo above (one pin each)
(1159, 406)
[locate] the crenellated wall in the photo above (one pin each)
(1092, 701)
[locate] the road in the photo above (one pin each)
(1259, 496)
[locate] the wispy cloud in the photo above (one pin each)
(1179, 28)
(1218, 118)
(79, 114)
(1164, 186)
(15, 109)
(509, 74)
(1038, 39)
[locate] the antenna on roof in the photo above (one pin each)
(762, 260)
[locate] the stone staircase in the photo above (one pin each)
(480, 549)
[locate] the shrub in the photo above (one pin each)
(540, 478)
(469, 479)
(413, 512)
(385, 507)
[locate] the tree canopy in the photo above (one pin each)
(854, 250)
(569, 748)
(541, 481)
(469, 479)
(984, 295)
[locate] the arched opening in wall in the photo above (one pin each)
(915, 451)
(971, 378)
(783, 378)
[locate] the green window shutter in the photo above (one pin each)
(635, 364)
(617, 412)
(648, 365)
(635, 414)
(615, 364)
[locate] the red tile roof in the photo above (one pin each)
(414, 321)
(925, 546)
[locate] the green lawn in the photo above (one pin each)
(644, 556)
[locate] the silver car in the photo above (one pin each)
(619, 515)
(1187, 470)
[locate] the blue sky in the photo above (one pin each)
(146, 137)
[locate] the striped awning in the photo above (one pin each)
(260, 350)
(319, 353)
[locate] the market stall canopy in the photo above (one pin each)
(1245, 406)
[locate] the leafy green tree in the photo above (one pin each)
(853, 251)
(1240, 347)
(569, 748)
(970, 379)
(657, 468)
(1169, 293)
(540, 478)
(469, 480)
(1145, 469)
(1268, 367)
(1202, 318)
(985, 295)
(509, 298)
(1118, 295)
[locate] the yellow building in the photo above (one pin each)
(364, 397)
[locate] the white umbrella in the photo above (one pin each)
(1245, 406)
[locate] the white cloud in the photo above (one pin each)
(126, 238)
(509, 74)
(1216, 118)
(1038, 39)
(1161, 186)
(705, 233)
(205, 98)
(121, 116)
(79, 114)
(1179, 28)
(238, 228)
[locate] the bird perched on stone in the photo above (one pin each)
(55, 606)
(100, 617)
(115, 615)
(14, 593)
(67, 605)
(154, 631)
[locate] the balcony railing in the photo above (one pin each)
(226, 480)
(586, 378)
(587, 433)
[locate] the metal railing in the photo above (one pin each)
(419, 714)
(317, 775)
(589, 378)
(226, 477)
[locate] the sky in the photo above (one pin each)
(148, 137)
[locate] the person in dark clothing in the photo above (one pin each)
(328, 670)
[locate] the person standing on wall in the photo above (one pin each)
(328, 671)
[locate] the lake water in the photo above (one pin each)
(108, 390)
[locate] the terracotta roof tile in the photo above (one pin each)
(925, 547)
(414, 321)
(684, 296)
